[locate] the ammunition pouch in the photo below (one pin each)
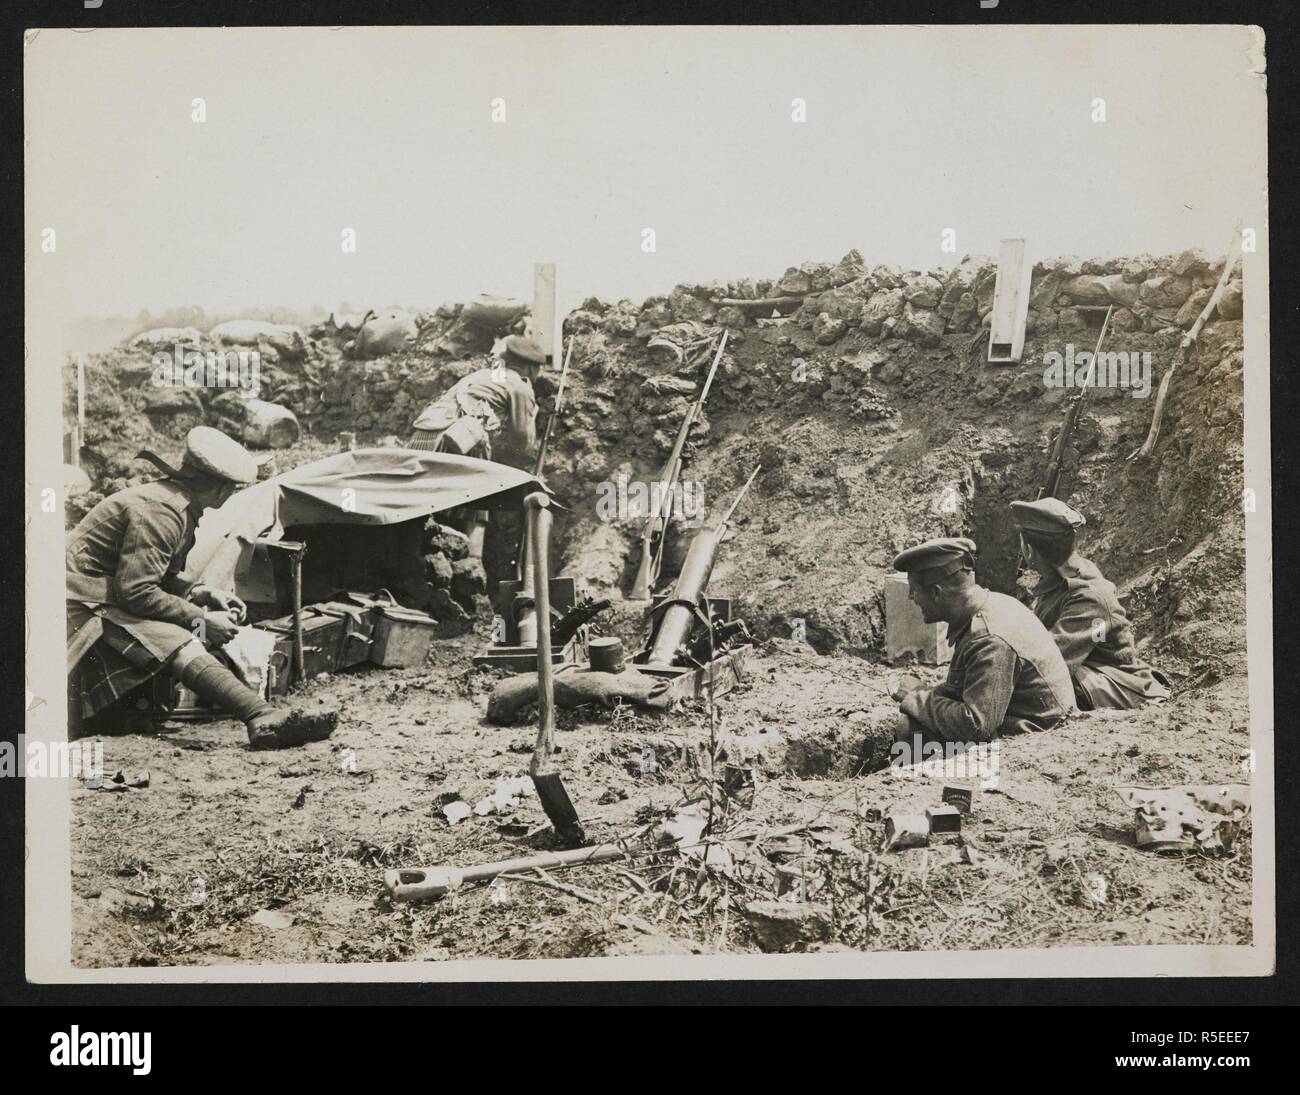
(464, 435)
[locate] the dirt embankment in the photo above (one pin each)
(865, 395)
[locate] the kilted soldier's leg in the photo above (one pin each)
(268, 727)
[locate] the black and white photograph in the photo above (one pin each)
(646, 502)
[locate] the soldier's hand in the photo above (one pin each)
(219, 628)
(228, 602)
(906, 684)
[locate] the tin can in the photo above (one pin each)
(605, 654)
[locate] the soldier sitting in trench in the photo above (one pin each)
(131, 616)
(491, 407)
(1006, 675)
(1083, 613)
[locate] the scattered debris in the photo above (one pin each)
(118, 782)
(456, 811)
(1190, 817)
(906, 831)
(271, 918)
(786, 925)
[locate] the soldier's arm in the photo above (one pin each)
(523, 413)
(1076, 632)
(153, 536)
(976, 714)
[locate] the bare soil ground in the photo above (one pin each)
(174, 874)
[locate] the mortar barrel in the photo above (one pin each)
(677, 620)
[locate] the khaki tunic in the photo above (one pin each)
(1090, 628)
(127, 613)
(1006, 677)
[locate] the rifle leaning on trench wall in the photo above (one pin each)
(654, 532)
(1052, 478)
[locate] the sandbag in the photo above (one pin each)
(269, 426)
(578, 687)
(493, 313)
(386, 332)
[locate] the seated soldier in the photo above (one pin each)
(1083, 613)
(130, 616)
(494, 406)
(1006, 675)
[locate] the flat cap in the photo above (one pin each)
(1046, 515)
(950, 552)
(525, 348)
(210, 451)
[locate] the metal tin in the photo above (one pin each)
(606, 654)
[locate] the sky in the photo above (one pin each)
(987, 131)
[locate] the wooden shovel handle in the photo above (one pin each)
(537, 506)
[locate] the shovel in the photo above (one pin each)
(546, 778)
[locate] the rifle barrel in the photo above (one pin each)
(740, 495)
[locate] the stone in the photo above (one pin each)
(1230, 304)
(437, 569)
(794, 283)
(1136, 270)
(849, 268)
(1123, 320)
(171, 400)
(1086, 289)
(920, 325)
(439, 539)
(1192, 308)
(1164, 291)
(887, 277)
(828, 329)
(965, 314)
(923, 291)
(788, 925)
(883, 305)
(1192, 261)
(1044, 289)
(731, 317)
(1121, 291)
(845, 302)
(1071, 321)
(468, 577)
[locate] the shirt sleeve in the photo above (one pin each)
(1075, 630)
(154, 534)
(977, 714)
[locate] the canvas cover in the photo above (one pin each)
(364, 487)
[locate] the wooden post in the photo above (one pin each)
(1010, 304)
(295, 549)
(299, 654)
(542, 324)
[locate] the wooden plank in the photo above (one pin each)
(1010, 304)
(541, 326)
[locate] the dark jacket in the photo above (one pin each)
(1006, 677)
(1092, 632)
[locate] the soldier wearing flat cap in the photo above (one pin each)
(491, 408)
(1082, 611)
(131, 616)
(1006, 675)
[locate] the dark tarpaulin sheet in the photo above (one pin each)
(364, 487)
